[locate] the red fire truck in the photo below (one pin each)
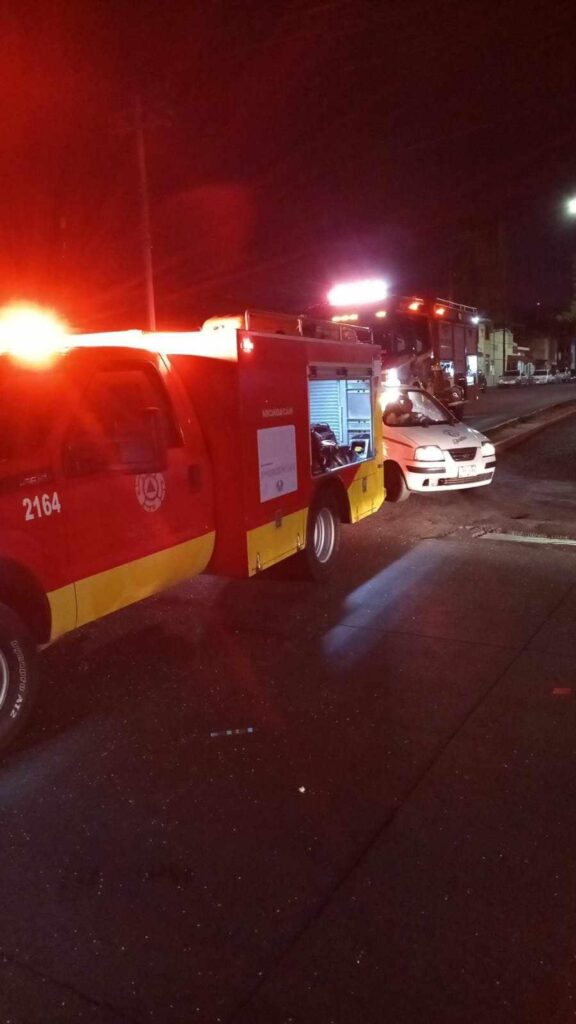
(434, 340)
(130, 462)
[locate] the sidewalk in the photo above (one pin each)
(512, 431)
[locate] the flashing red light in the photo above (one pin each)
(440, 310)
(31, 333)
(247, 345)
(414, 306)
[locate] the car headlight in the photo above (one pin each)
(488, 449)
(429, 453)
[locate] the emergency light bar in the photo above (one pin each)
(355, 293)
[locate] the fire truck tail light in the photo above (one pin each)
(414, 306)
(439, 310)
(247, 345)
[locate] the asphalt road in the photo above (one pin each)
(266, 801)
(497, 404)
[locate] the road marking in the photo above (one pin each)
(527, 538)
(233, 732)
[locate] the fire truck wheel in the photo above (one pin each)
(322, 539)
(394, 483)
(17, 675)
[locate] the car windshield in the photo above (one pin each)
(511, 373)
(412, 408)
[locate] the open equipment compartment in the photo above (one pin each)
(341, 416)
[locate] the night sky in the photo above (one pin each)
(287, 145)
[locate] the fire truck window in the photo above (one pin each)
(116, 401)
(27, 414)
(403, 334)
(340, 422)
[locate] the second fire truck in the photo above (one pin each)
(432, 340)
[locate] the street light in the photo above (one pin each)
(571, 206)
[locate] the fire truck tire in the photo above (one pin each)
(18, 675)
(394, 483)
(322, 538)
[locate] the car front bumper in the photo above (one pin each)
(433, 477)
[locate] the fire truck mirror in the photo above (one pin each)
(84, 455)
(142, 448)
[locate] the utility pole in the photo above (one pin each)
(503, 284)
(144, 213)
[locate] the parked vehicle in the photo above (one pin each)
(513, 378)
(564, 376)
(130, 462)
(543, 377)
(427, 450)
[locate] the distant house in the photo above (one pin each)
(495, 348)
(544, 349)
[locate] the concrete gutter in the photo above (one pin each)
(512, 432)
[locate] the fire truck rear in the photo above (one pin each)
(130, 462)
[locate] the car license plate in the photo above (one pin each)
(467, 471)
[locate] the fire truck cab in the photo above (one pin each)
(130, 462)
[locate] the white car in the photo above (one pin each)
(514, 379)
(427, 450)
(543, 377)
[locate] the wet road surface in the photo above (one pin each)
(392, 839)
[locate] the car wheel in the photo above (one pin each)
(394, 483)
(18, 675)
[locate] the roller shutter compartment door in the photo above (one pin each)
(325, 404)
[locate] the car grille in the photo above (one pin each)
(462, 454)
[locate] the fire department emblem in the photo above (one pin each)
(150, 490)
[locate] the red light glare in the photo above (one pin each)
(440, 310)
(414, 306)
(31, 333)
